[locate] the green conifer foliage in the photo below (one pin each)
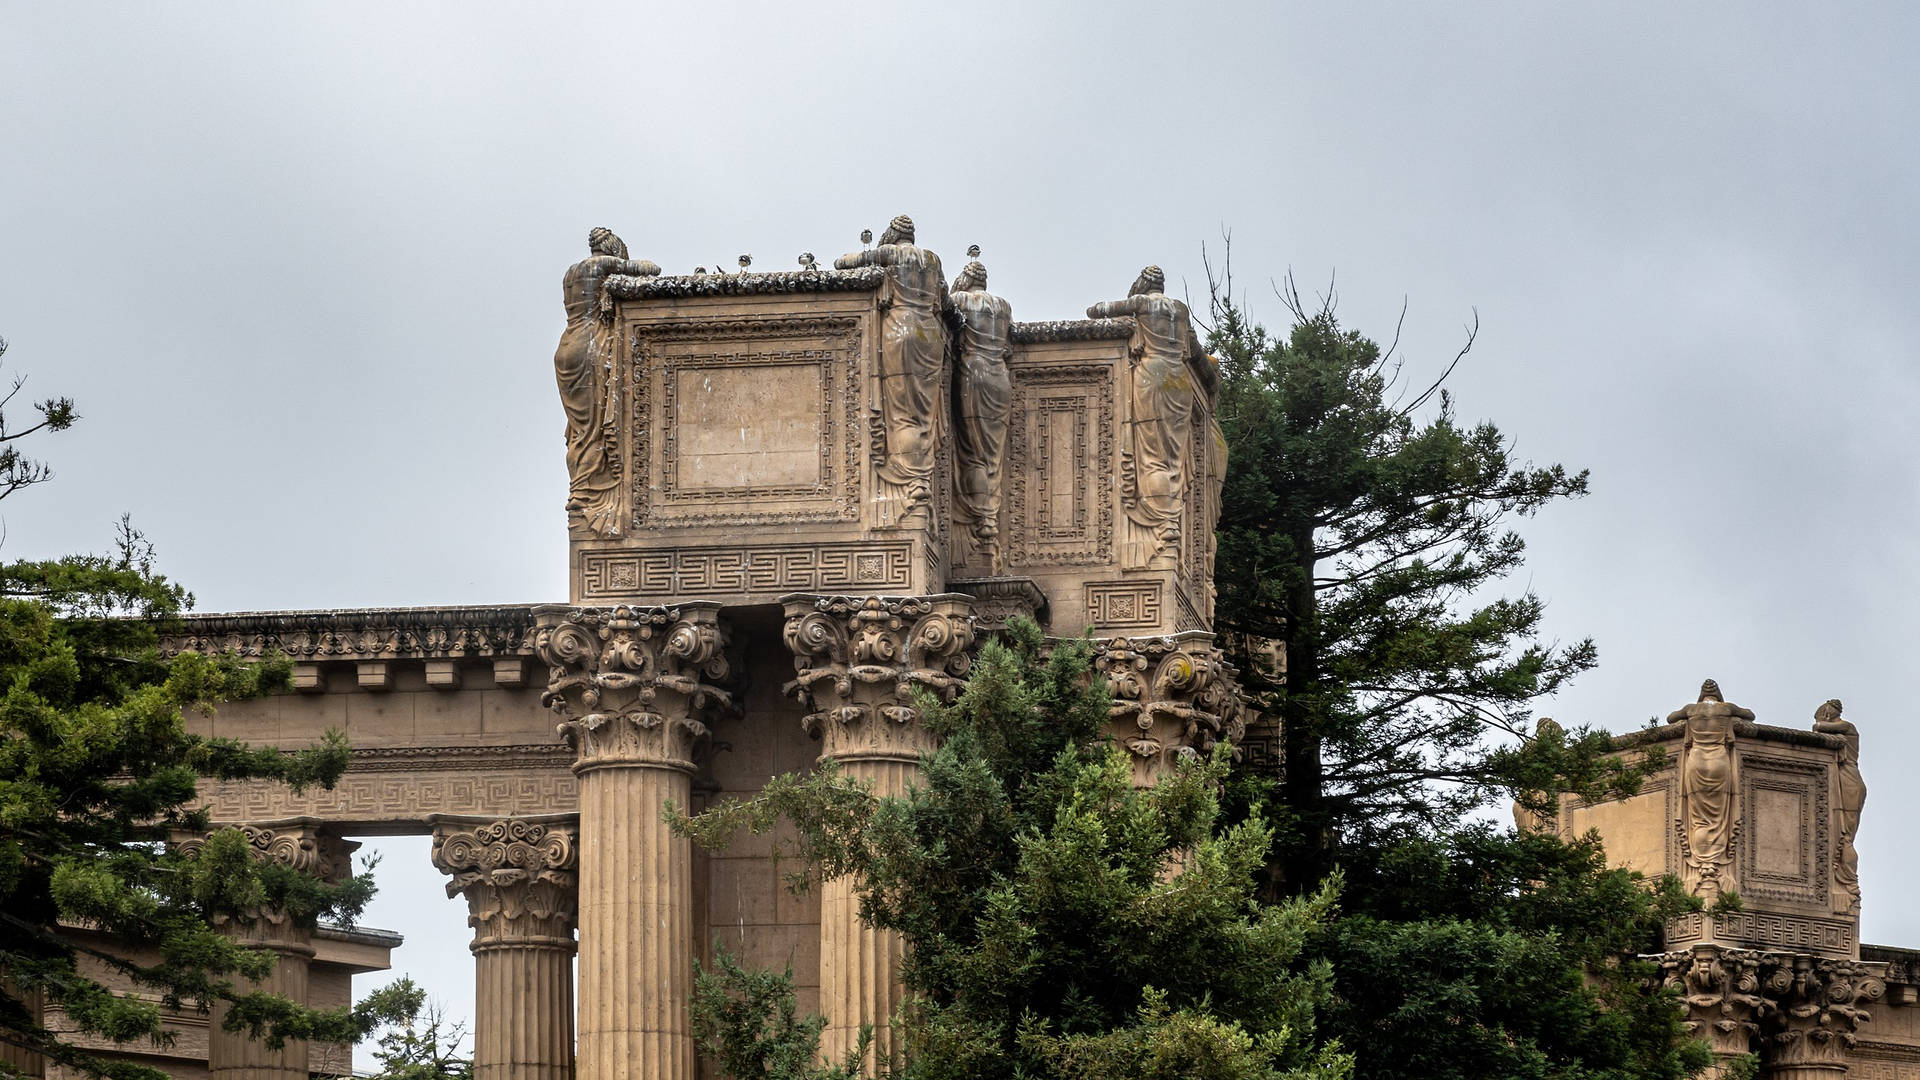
(1060, 923)
(1368, 531)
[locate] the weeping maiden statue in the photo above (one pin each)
(584, 366)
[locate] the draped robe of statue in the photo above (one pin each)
(913, 353)
(985, 392)
(1707, 785)
(1852, 797)
(1161, 393)
(584, 365)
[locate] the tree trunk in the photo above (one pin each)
(1303, 776)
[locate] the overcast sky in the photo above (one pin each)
(300, 270)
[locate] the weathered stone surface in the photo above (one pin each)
(520, 878)
(1707, 785)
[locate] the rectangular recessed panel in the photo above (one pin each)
(1634, 830)
(1060, 476)
(1778, 825)
(740, 429)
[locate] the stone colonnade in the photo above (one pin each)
(634, 690)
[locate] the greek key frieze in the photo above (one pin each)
(676, 572)
(1124, 604)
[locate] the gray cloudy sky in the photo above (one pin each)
(300, 268)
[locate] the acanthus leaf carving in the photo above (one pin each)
(1173, 697)
(630, 683)
(861, 658)
(519, 875)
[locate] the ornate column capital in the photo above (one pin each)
(859, 659)
(1720, 995)
(1172, 697)
(297, 844)
(629, 682)
(1801, 1012)
(1818, 1005)
(520, 877)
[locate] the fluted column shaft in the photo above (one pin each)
(629, 686)
(24, 1062)
(236, 1055)
(859, 661)
(296, 843)
(519, 878)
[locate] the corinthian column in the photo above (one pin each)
(518, 875)
(1172, 697)
(294, 843)
(859, 661)
(629, 685)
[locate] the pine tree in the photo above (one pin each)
(1059, 922)
(1365, 530)
(97, 773)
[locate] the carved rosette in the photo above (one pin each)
(1800, 1012)
(520, 878)
(859, 661)
(630, 683)
(1172, 697)
(297, 845)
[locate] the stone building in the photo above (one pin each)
(794, 499)
(1768, 815)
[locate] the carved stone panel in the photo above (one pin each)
(1120, 605)
(746, 420)
(1784, 842)
(1060, 466)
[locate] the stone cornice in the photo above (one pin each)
(674, 286)
(361, 633)
(1745, 730)
(1053, 330)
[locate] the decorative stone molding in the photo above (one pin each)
(997, 599)
(1056, 330)
(1172, 697)
(368, 634)
(629, 682)
(676, 286)
(858, 661)
(1800, 1012)
(296, 844)
(519, 875)
(1047, 527)
(1819, 1005)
